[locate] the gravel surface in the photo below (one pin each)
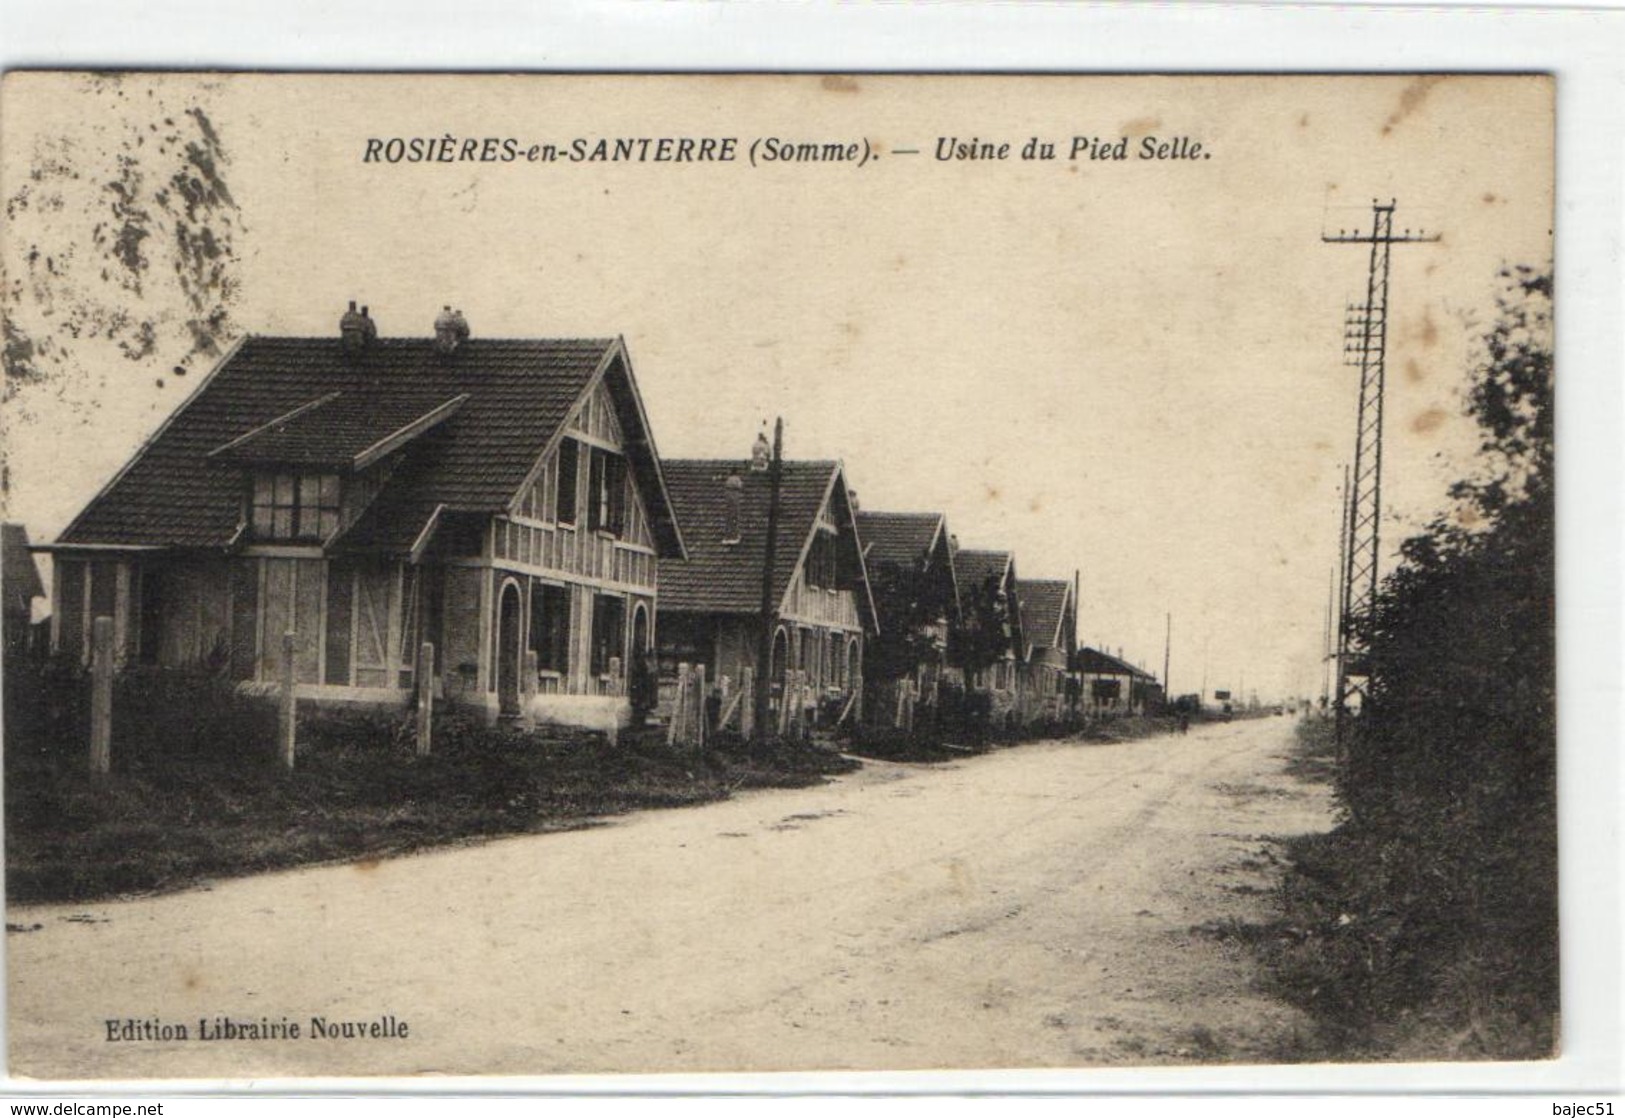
(1035, 907)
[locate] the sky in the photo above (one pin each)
(1131, 369)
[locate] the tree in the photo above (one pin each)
(121, 248)
(1451, 777)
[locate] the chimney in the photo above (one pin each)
(450, 330)
(852, 499)
(355, 330)
(735, 486)
(761, 454)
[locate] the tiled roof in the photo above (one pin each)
(975, 567)
(723, 577)
(18, 572)
(519, 393)
(1092, 661)
(1043, 608)
(898, 537)
(902, 539)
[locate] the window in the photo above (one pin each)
(608, 631)
(550, 627)
(606, 492)
(821, 562)
(289, 506)
(569, 457)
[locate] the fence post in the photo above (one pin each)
(425, 681)
(747, 703)
(679, 706)
(702, 701)
(529, 684)
(101, 696)
(289, 702)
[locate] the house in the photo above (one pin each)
(711, 602)
(20, 584)
(499, 498)
(909, 557)
(1049, 617)
(1112, 686)
(995, 645)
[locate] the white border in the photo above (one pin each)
(1583, 45)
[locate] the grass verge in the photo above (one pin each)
(1405, 942)
(167, 821)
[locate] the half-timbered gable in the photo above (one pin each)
(501, 499)
(711, 603)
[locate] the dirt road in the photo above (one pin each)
(1032, 907)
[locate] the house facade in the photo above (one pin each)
(501, 499)
(909, 558)
(1049, 617)
(995, 643)
(821, 606)
(1111, 686)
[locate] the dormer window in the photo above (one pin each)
(295, 506)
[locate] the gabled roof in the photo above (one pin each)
(905, 539)
(975, 567)
(720, 577)
(18, 572)
(474, 456)
(1043, 610)
(899, 537)
(1092, 661)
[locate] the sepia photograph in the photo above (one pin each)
(611, 574)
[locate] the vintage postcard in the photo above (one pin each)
(538, 575)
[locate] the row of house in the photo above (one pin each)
(504, 501)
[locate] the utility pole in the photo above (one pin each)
(1326, 640)
(769, 612)
(1365, 345)
(1167, 643)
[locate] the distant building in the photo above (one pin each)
(995, 644)
(1049, 616)
(910, 561)
(1111, 686)
(495, 497)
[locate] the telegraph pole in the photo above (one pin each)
(769, 613)
(1365, 345)
(1167, 643)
